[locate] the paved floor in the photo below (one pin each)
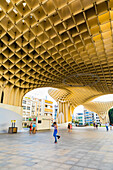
(82, 149)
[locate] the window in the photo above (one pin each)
(24, 102)
(28, 108)
(80, 117)
(24, 107)
(80, 113)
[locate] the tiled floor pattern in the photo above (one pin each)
(82, 149)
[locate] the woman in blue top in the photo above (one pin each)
(55, 132)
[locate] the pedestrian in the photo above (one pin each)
(106, 124)
(110, 126)
(30, 128)
(96, 125)
(68, 127)
(55, 132)
(34, 128)
(100, 124)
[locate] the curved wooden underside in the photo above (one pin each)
(83, 96)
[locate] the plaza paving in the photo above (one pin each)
(82, 149)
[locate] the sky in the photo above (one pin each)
(104, 98)
(79, 109)
(41, 93)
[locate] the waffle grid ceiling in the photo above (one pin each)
(44, 41)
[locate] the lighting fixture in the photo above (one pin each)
(23, 20)
(15, 11)
(8, 1)
(24, 4)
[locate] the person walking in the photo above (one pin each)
(34, 128)
(96, 125)
(110, 126)
(106, 124)
(30, 128)
(55, 132)
(68, 127)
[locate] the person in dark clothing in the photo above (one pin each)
(106, 124)
(68, 127)
(96, 126)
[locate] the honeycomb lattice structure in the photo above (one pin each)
(44, 41)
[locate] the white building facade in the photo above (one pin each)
(36, 108)
(86, 117)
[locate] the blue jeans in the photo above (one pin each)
(55, 135)
(107, 128)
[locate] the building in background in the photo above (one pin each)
(86, 117)
(96, 118)
(80, 118)
(79, 114)
(47, 107)
(34, 107)
(91, 117)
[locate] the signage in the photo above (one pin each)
(47, 101)
(27, 97)
(13, 121)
